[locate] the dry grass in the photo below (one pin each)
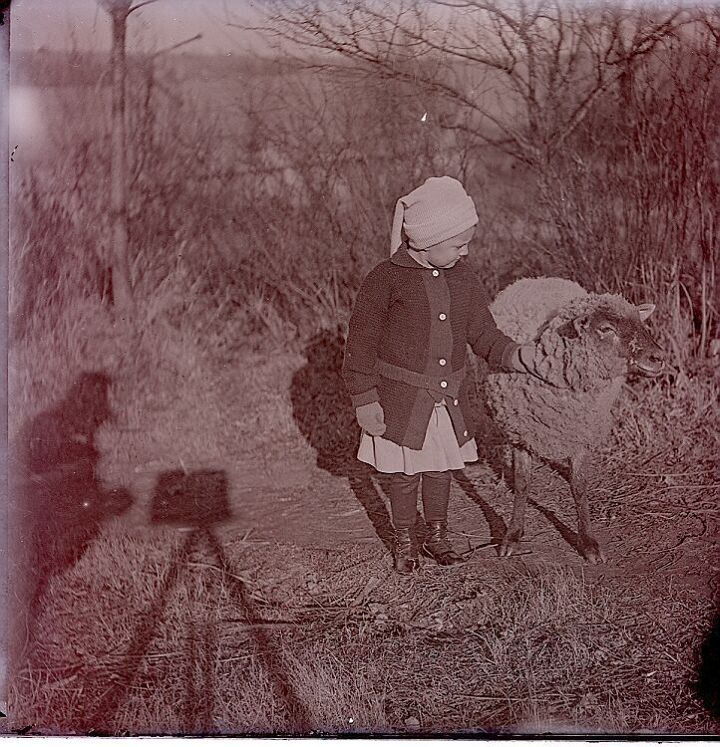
(310, 643)
(663, 455)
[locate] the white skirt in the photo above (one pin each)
(440, 451)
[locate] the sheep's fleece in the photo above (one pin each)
(555, 420)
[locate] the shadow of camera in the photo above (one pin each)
(195, 499)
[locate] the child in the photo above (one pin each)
(404, 361)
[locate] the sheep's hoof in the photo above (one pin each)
(510, 542)
(592, 552)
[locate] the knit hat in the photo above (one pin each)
(437, 210)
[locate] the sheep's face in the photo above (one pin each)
(623, 341)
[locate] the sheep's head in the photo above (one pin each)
(615, 329)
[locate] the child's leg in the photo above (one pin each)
(436, 496)
(403, 499)
(403, 503)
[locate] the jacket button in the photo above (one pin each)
(465, 433)
(456, 402)
(435, 273)
(442, 317)
(442, 361)
(443, 384)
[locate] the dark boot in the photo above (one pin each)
(437, 545)
(405, 552)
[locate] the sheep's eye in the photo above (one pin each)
(606, 329)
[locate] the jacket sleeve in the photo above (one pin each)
(485, 339)
(367, 325)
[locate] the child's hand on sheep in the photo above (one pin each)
(371, 418)
(523, 360)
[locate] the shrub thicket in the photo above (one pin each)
(260, 195)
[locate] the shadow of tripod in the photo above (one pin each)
(196, 501)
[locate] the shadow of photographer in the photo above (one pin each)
(59, 505)
(324, 414)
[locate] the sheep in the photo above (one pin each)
(585, 345)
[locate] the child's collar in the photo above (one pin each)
(403, 258)
(419, 257)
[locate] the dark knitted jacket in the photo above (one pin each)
(408, 340)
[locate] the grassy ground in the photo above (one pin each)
(298, 640)
(273, 623)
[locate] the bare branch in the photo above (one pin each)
(141, 5)
(554, 60)
(175, 46)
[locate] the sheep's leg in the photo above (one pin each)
(522, 467)
(589, 546)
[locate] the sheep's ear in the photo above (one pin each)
(574, 328)
(645, 309)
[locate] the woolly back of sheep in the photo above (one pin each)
(523, 308)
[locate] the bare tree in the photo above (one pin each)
(119, 10)
(517, 75)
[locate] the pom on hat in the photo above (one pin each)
(437, 210)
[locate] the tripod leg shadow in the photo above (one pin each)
(200, 693)
(199, 700)
(271, 658)
(108, 705)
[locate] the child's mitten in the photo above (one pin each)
(371, 418)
